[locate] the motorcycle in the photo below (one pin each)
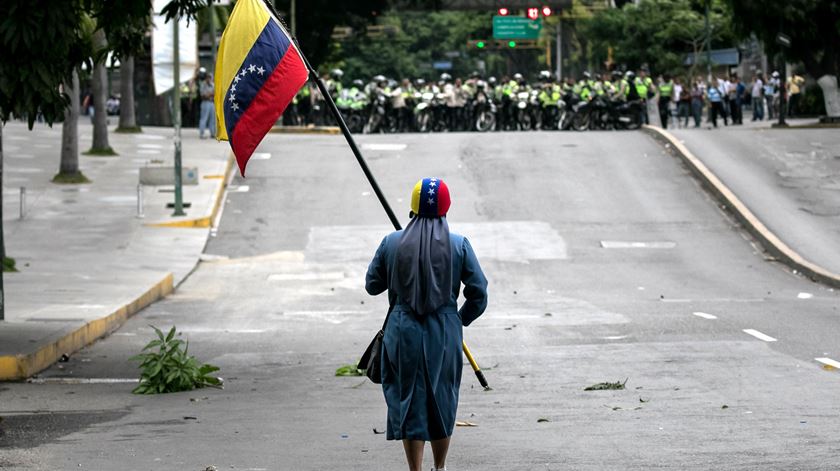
(485, 113)
(523, 117)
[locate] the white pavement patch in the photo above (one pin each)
(704, 315)
(239, 189)
(620, 244)
(829, 362)
(84, 380)
(149, 151)
(327, 276)
(759, 335)
(261, 156)
(150, 146)
(805, 296)
(510, 241)
(383, 146)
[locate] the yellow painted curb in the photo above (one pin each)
(13, 367)
(306, 130)
(204, 221)
(754, 226)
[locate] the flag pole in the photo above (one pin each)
(313, 76)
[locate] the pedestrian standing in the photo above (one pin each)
(757, 97)
(738, 103)
(682, 95)
(422, 268)
(795, 83)
(698, 96)
(207, 120)
(716, 101)
(666, 93)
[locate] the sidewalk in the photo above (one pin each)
(788, 178)
(86, 260)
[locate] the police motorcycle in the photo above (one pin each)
(484, 110)
(525, 103)
(424, 96)
(379, 108)
(352, 102)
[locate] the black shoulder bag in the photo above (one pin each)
(371, 361)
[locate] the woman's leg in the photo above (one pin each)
(414, 453)
(439, 450)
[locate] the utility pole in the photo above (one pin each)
(558, 31)
(176, 117)
(708, 45)
(294, 18)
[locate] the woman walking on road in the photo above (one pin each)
(422, 268)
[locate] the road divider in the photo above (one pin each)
(732, 203)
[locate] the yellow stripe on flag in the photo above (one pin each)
(244, 26)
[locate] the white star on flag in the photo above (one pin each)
(432, 183)
(243, 72)
(236, 79)
(252, 68)
(261, 70)
(233, 87)
(431, 191)
(234, 106)
(232, 99)
(431, 201)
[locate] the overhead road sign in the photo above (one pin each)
(516, 27)
(486, 5)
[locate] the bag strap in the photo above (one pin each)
(390, 308)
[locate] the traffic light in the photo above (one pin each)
(480, 44)
(546, 11)
(504, 12)
(533, 13)
(512, 44)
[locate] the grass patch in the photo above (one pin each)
(107, 152)
(349, 370)
(167, 367)
(607, 386)
(129, 130)
(70, 178)
(9, 265)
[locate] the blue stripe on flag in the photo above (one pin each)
(268, 50)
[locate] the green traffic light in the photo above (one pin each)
(480, 44)
(512, 44)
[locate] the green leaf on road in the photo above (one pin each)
(348, 370)
(607, 386)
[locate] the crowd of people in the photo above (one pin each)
(516, 103)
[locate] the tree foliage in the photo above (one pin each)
(812, 25)
(657, 33)
(44, 41)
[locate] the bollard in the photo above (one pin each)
(22, 202)
(140, 214)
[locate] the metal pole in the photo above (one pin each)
(212, 8)
(293, 13)
(708, 45)
(140, 213)
(22, 202)
(559, 40)
(176, 118)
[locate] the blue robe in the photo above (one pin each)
(421, 358)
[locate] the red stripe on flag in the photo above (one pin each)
(269, 103)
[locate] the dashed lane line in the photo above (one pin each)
(829, 362)
(704, 315)
(759, 335)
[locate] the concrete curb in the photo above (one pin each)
(204, 221)
(22, 366)
(754, 226)
(306, 130)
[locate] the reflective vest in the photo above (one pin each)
(666, 89)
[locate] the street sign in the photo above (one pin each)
(516, 27)
(442, 65)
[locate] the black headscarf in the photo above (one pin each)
(422, 276)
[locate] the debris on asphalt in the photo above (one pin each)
(349, 370)
(643, 400)
(345, 436)
(210, 468)
(542, 419)
(464, 423)
(377, 432)
(64, 358)
(724, 406)
(607, 386)
(189, 417)
(548, 314)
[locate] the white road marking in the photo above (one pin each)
(261, 156)
(759, 335)
(704, 315)
(675, 300)
(805, 296)
(150, 146)
(829, 362)
(239, 189)
(335, 275)
(615, 337)
(148, 151)
(84, 380)
(126, 334)
(373, 146)
(621, 244)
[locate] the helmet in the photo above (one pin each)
(480, 84)
(358, 83)
(775, 74)
(420, 82)
(378, 78)
(202, 73)
(336, 73)
(517, 76)
(630, 75)
(474, 74)
(492, 80)
(545, 75)
(445, 77)
(586, 74)
(392, 83)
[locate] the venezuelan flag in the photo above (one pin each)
(258, 72)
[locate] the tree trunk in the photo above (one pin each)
(100, 95)
(70, 130)
(831, 94)
(127, 119)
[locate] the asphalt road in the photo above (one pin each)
(606, 260)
